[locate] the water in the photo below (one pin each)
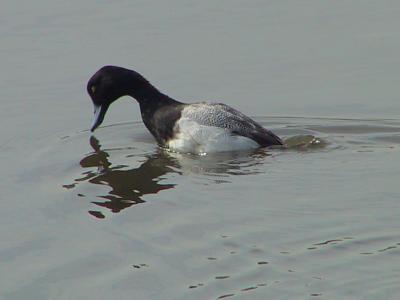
(112, 216)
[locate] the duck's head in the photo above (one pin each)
(110, 83)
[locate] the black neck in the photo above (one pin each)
(151, 100)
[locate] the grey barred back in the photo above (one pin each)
(219, 115)
(224, 116)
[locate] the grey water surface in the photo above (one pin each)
(112, 216)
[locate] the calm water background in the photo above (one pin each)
(114, 217)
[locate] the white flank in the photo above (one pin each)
(199, 139)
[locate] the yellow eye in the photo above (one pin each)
(93, 89)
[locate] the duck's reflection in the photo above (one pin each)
(128, 186)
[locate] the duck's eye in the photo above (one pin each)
(93, 89)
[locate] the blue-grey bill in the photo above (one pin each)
(99, 113)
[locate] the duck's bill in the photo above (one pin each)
(99, 113)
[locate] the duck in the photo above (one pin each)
(197, 128)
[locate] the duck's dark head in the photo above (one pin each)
(110, 83)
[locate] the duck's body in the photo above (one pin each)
(194, 128)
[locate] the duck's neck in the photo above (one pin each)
(150, 100)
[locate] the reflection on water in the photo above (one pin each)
(217, 167)
(128, 186)
(239, 224)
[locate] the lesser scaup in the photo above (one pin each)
(194, 128)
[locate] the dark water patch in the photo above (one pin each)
(196, 285)
(96, 214)
(225, 296)
(335, 243)
(261, 284)
(69, 186)
(193, 286)
(222, 277)
(329, 242)
(387, 248)
(248, 289)
(139, 266)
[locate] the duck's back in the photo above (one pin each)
(215, 127)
